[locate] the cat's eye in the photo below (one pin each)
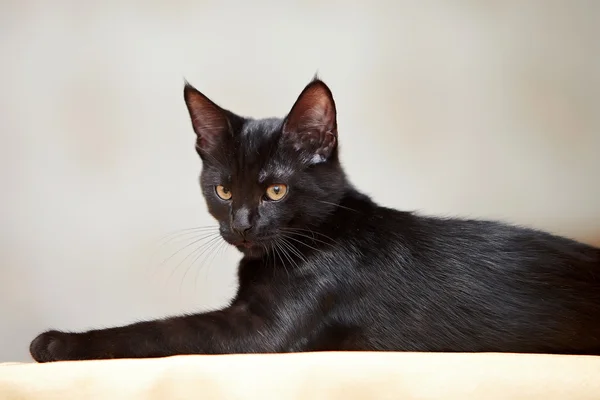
(276, 192)
(223, 192)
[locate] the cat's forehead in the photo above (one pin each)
(256, 153)
(259, 132)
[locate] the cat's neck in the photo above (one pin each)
(352, 206)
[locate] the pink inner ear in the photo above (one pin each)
(311, 126)
(208, 119)
(314, 111)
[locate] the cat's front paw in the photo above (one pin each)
(51, 346)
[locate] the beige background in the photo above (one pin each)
(476, 108)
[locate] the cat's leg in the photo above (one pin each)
(236, 329)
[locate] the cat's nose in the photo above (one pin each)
(241, 229)
(241, 222)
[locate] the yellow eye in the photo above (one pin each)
(276, 192)
(223, 192)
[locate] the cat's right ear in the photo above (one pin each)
(209, 121)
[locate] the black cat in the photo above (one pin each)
(325, 268)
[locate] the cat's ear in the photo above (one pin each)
(311, 125)
(209, 121)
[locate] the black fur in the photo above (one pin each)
(325, 268)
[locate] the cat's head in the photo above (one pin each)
(268, 180)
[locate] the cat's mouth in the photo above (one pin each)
(249, 249)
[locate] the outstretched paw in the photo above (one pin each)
(50, 346)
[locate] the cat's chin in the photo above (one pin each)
(254, 251)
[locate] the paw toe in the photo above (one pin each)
(47, 346)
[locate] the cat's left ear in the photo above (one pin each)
(311, 125)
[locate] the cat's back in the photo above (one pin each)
(440, 241)
(400, 239)
(472, 285)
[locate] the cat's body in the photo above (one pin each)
(326, 268)
(455, 285)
